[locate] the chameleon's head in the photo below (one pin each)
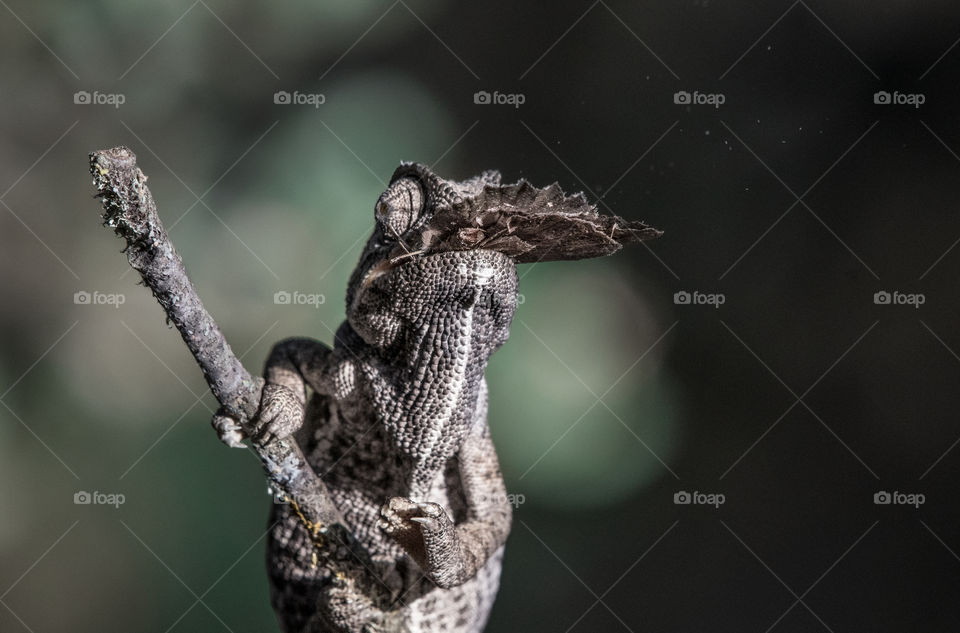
(398, 291)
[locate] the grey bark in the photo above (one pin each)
(129, 208)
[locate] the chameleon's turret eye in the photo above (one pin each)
(399, 206)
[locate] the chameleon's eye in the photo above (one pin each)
(399, 206)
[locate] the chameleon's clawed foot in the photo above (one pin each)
(424, 530)
(399, 517)
(281, 413)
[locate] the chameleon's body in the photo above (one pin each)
(399, 412)
(393, 418)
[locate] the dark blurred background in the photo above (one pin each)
(813, 165)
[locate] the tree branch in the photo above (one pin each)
(130, 210)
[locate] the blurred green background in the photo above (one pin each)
(796, 200)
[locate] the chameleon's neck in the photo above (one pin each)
(423, 398)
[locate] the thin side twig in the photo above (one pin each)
(130, 210)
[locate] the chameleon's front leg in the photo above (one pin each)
(293, 365)
(451, 554)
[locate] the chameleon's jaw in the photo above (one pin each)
(376, 271)
(386, 266)
(407, 259)
(393, 299)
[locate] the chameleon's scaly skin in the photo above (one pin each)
(395, 423)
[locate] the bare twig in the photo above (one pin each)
(130, 209)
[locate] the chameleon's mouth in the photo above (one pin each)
(420, 257)
(389, 264)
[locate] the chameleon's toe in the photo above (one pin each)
(395, 515)
(431, 510)
(228, 430)
(431, 517)
(428, 523)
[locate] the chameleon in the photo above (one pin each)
(393, 416)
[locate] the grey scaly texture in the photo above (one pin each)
(393, 418)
